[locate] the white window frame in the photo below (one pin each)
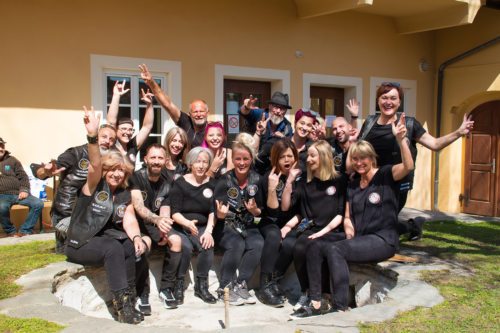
(280, 81)
(410, 93)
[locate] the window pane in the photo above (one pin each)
(157, 121)
(124, 112)
(315, 105)
(110, 83)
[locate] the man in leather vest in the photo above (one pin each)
(72, 167)
(149, 188)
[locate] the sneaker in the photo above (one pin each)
(309, 311)
(242, 290)
(302, 302)
(142, 305)
(416, 226)
(234, 298)
(167, 296)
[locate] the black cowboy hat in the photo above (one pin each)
(280, 99)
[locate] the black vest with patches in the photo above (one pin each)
(236, 196)
(152, 201)
(71, 183)
(100, 215)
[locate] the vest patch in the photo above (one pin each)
(102, 196)
(83, 164)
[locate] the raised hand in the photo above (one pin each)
(293, 173)
(50, 169)
(467, 125)
(91, 121)
(218, 160)
(273, 180)
(119, 88)
(221, 209)
(249, 103)
(251, 206)
(262, 124)
(145, 74)
(353, 107)
(147, 97)
(399, 130)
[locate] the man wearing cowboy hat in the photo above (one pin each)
(15, 189)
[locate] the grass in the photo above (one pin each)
(472, 298)
(16, 260)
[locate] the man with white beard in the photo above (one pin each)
(267, 125)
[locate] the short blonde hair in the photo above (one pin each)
(245, 141)
(363, 149)
(326, 166)
(114, 159)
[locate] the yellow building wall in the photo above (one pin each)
(472, 78)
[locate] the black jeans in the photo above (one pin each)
(360, 249)
(285, 257)
(301, 256)
(271, 250)
(242, 254)
(191, 244)
(117, 257)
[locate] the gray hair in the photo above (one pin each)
(193, 154)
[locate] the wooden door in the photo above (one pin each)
(328, 101)
(235, 91)
(481, 180)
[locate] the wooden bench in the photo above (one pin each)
(19, 213)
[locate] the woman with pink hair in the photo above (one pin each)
(215, 140)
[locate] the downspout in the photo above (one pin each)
(440, 102)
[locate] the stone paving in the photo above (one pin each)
(37, 300)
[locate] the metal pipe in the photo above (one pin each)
(440, 103)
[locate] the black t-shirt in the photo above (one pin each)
(270, 215)
(155, 187)
(193, 202)
(374, 209)
(339, 155)
(186, 123)
(132, 149)
(302, 163)
(321, 201)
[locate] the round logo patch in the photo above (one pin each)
(331, 190)
(232, 193)
(144, 195)
(120, 210)
(83, 164)
(102, 196)
(280, 186)
(223, 171)
(158, 202)
(337, 160)
(374, 198)
(131, 157)
(252, 190)
(207, 193)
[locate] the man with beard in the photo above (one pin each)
(267, 126)
(72, 168)
(194, 124)
(340, 142)
(149, 189)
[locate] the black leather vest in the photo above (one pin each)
(71, 183)
(152, 201)
(98, 213)
(236, 195)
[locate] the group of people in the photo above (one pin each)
(278, 195)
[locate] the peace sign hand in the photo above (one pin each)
(399, 130)
(91, 121)
(249, 103)
(262, 124)
(147, 97)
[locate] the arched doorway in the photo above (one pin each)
(482, 159)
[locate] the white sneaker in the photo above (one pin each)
(302, 302)
(242, 290)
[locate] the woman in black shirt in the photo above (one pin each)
(215, 140)
(177, 146)
(370, 219)
(320, 203)
(104, 229)
(191, 204)
(305, 119)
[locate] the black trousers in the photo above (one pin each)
(301, 257)
(192, 245)
(285, 257)
(360, 249)
(117, 257)
(271, 250)
(242, 254)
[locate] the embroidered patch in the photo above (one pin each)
(252, 190)
(144, 195)
(280, 186)
(232, 193)
(158, 202)
(7, 167)
(374, 198)
(120, 210)
(131, 157)
(102, 196)
(337, 160)
(331, 190)
(83, 164)
(207, 193)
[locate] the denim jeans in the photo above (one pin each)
(35, 205)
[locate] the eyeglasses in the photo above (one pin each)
(391, 84)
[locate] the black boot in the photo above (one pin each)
(179, 290)
(201, 290)
(276, 290)
(133, 299)
(123, 307)
(265, 293)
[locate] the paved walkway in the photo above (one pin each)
(37, 299)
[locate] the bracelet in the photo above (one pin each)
(133, 238)
(92, 139)
(354, 117)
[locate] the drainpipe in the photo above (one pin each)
(440, 103)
